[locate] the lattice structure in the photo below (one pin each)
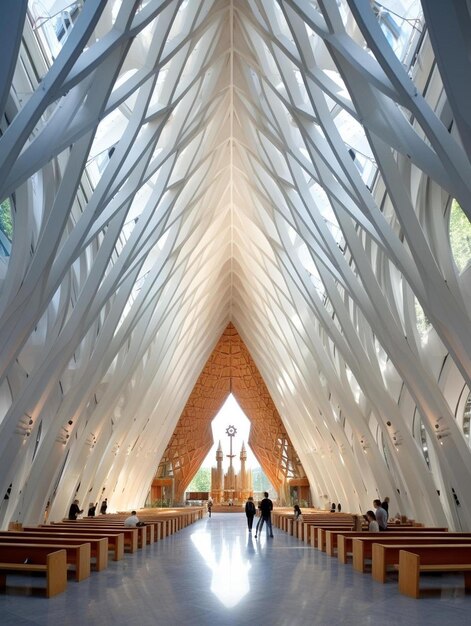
(229, 369)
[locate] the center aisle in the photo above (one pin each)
(215, 572)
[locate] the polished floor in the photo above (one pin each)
(215, 572)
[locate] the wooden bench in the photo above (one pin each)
(130, 534)
(145, 533)
(332, 535)
(160, 527)
(53, 564)
(321, 543)
(284, 519)
(77, 556)
(321, 520)
(306, 535)
(163, 525)
(345, 539)
(300, 528)
(315, 536)
(384, 555)
(115, 539)
(362, 547)
(118, 520)
(170, 524)
(436, 558)
(98, 546)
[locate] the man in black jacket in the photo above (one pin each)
(266, 507)
(74, 510)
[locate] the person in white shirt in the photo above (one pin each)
(381, 515)
(132, 520)
(372, 523)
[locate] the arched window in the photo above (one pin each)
(460, 236)
(422, 321)
(6, 227)
(467, 418)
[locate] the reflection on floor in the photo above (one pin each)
(215, 572)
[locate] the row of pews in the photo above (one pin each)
(406, 547)
(78, 546)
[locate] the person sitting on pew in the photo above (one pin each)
(74, 510)
(297, 513)
(132, 520)
(381, 515)
(372, 523)
(332, 508)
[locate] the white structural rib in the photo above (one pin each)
(173, 166)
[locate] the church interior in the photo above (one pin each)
(264, 199)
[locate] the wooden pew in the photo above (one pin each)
(163, 525)
(298, 527)
(302, 529)
(160, 527)
(284, 518)
(315, 535)
(170, 524)
(362, 547)
(332, 535)
(280, 517)
(130, 534)
(77, 556)
(327, 536)
(115, 539)
(321, 543)
(385, 555)
(174, 519)
(436, 558)
(305, 534)
(345, 539)
(98, 546)
(118, 520)
(52, 563)
(145, 533)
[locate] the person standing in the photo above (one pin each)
(74, 510)
(250, 511)
(259, 520)
(91, 509)
(210, 506)
(266, 507)
(104, 506)
(381, 515)
(385, 504)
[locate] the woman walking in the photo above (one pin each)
(250, 511)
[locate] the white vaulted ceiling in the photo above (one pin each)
(287, 166)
